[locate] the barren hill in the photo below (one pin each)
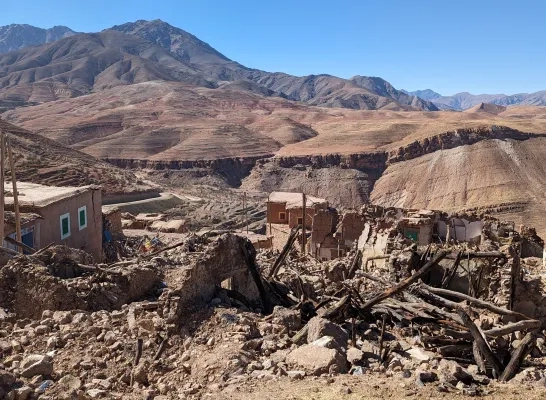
(505, 177)
(487, 108)
(44, 161)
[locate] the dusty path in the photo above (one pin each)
(366, 387)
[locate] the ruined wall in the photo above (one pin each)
(324, 223)
(352, 225)
(460, 229)
(114, 219)
(25, 280)
(195, 283)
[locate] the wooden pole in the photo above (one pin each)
(246, 211)
(303, 223)
(287, 246)
(15, 196)
(268, 219)
(2, 194)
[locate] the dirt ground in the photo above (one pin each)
(366, 387)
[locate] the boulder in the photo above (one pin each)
(70, 383)
(452, 373)
(320, 327)
(354, 355)
(140, 373)
(425, 377)
(7, 380)
(326, 341)
(317, 360)
(23, 393)
(36, 364)
(286, 317)
(62, 317)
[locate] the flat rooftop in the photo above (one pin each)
(295, 200)
(33, 194)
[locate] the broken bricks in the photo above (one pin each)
(191, 344)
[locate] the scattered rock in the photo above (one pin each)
(320, 327)
(316, 359)
(354, 355)
(36, 364)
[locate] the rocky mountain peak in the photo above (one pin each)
(17, 36)
(182, 44)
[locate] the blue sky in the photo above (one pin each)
(480, 46)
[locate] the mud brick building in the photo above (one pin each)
(70, 216)
(287, 208)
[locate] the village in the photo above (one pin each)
(96, 302)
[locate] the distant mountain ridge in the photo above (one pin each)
(141, 51)
(17, 36)
(426, 94)
(464, 100)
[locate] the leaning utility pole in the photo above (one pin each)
(303, 227)
(15, 196)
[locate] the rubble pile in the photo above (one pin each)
(210, 315)
(61, 282)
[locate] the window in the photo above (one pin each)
(65, 226)
(300, 221)
(412, 234)
(82, 217)
(282, 216)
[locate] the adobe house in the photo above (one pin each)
(287, 208)
(70, 216)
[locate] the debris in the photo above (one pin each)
(202, 316)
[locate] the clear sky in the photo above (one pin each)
(479, 46)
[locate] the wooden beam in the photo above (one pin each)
(15, 196)
(518, 356)
(482, 345)
(406, 282)
(514, 276)
(479, 254)
(280, 259)
(29, 249)
(354, 264)
(447, 282)
(304, 225)
(253, 269)
(475, 301)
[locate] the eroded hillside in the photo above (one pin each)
(270, 143)
(44, 161)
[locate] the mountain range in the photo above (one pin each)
(143, 51)
(464, 101)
